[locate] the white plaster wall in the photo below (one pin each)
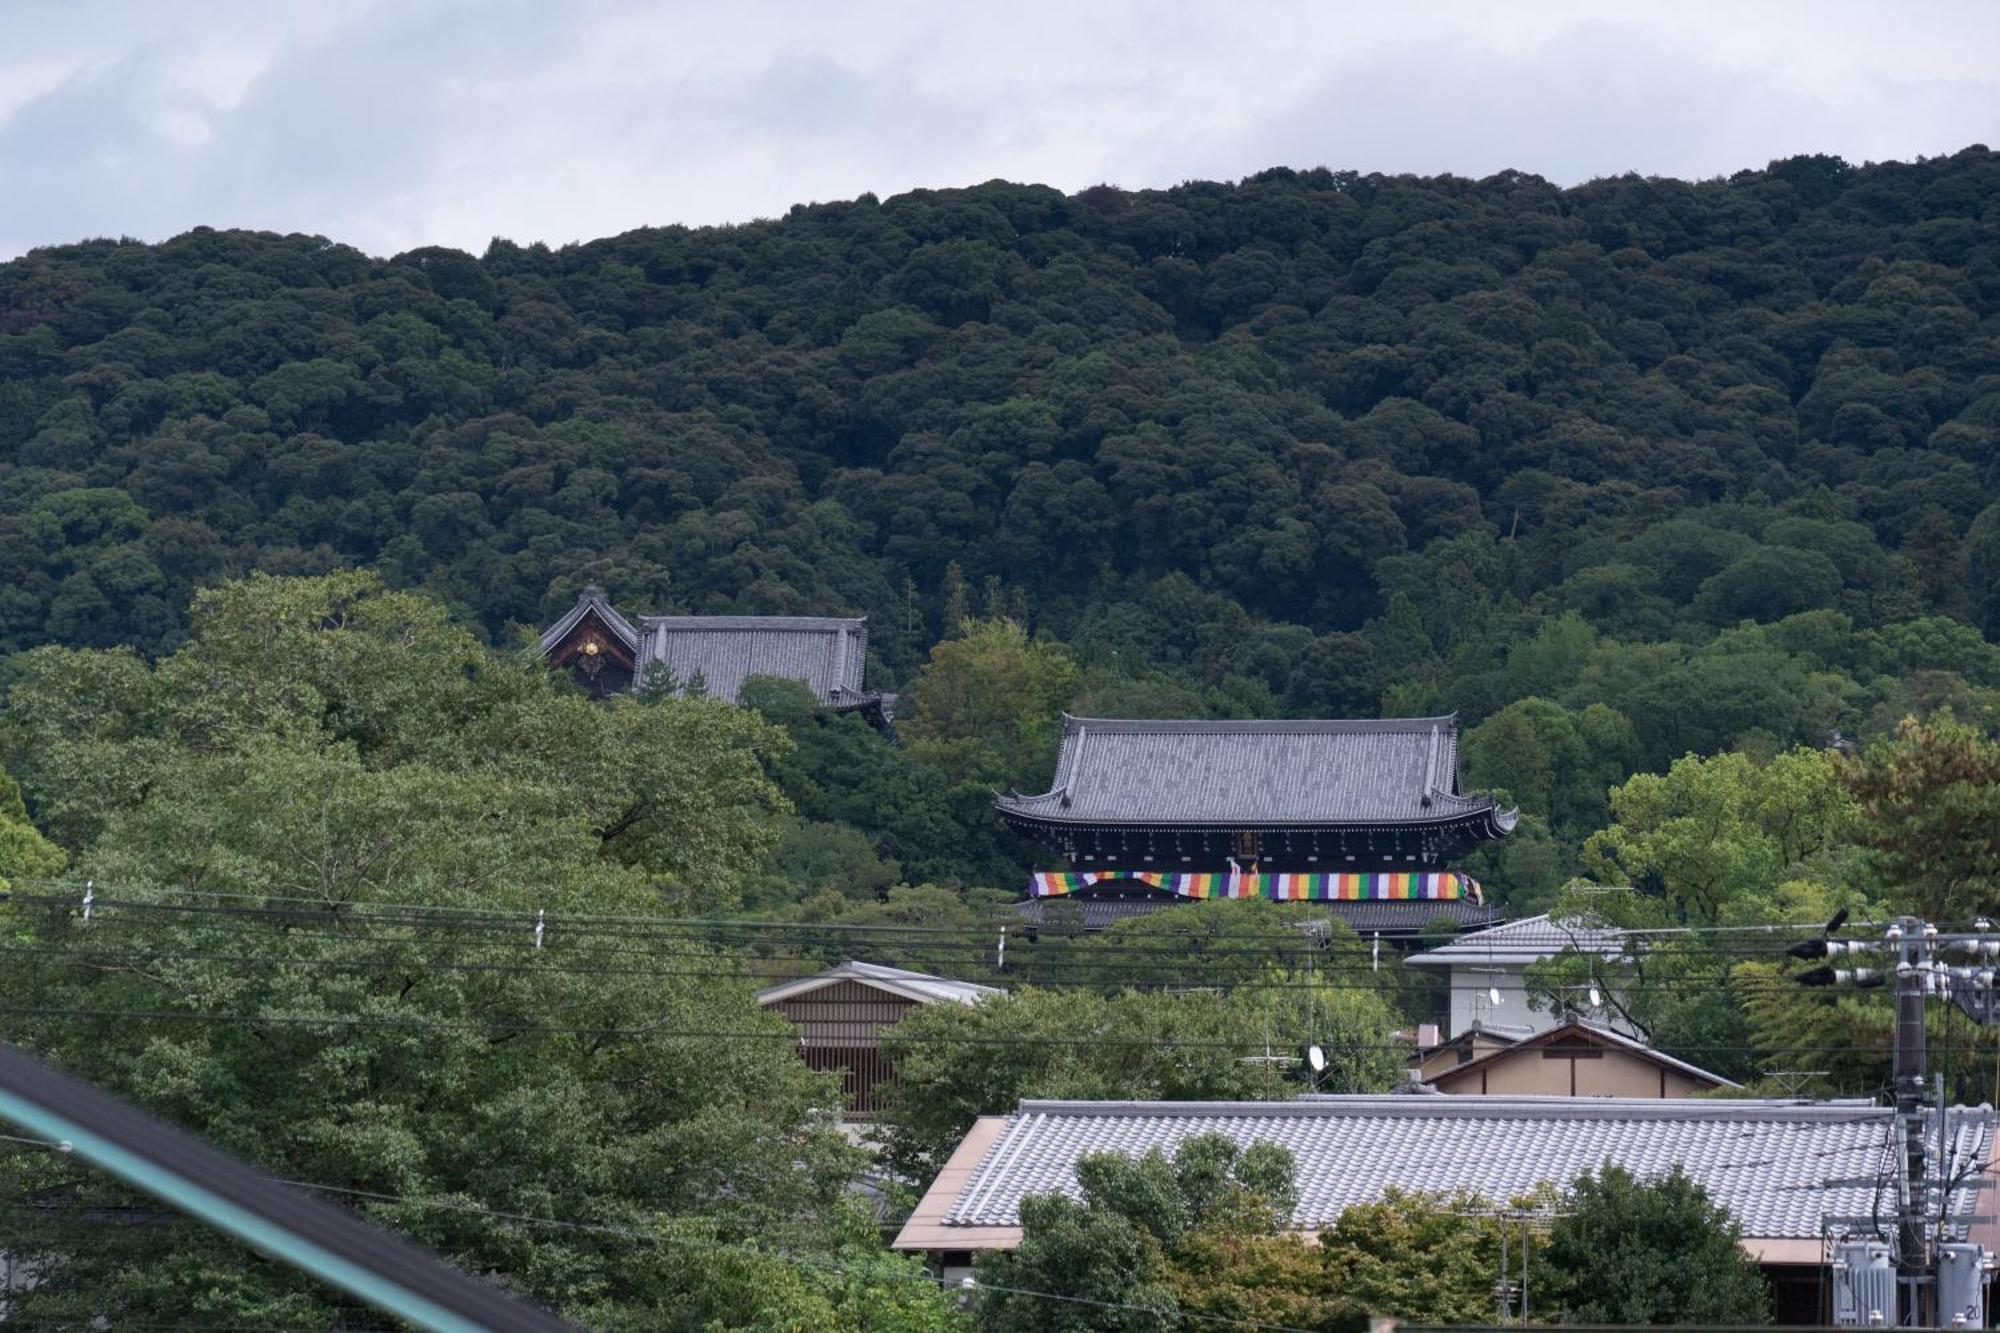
(1472, 1002)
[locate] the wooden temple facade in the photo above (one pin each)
(1364, 817)
(609, 653)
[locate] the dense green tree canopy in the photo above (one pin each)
(1211, 1000)
(255, 811)
(1631, 1251)
(1142, 1238)
(1302, 394)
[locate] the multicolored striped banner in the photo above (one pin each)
(1437, 886)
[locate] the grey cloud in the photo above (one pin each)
(407, 122)
(1598, 101)
(336, 136)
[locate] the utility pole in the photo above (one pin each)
(1524, 1265)
(1912, 941)
(1917, 953)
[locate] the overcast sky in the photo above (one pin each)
(389, 124)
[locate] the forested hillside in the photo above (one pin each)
(1685, 496)
(1619, 472)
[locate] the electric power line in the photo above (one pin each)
(1054, 974)
(664, 1033)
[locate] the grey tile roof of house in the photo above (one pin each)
(592, 599)
(1783, 1168)
(1528, 940)
(827, 653)
(1260, 773)
(919, 986)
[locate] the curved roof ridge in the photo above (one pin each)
(1275, 726)
(794, 623)
(1506, 1106)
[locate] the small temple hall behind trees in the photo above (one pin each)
(608, 653)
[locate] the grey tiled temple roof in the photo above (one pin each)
(1122, 771)
(1780, 1167)
(825, 652)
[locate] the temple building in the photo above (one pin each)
(1365, 817)
(608, 653)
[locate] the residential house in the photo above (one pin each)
(1435, 1057)
(1487, 971)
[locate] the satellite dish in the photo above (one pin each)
(1596, 998)
(1316, 1058)
(1493, 994)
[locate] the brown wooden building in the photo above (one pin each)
(842, 1013)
